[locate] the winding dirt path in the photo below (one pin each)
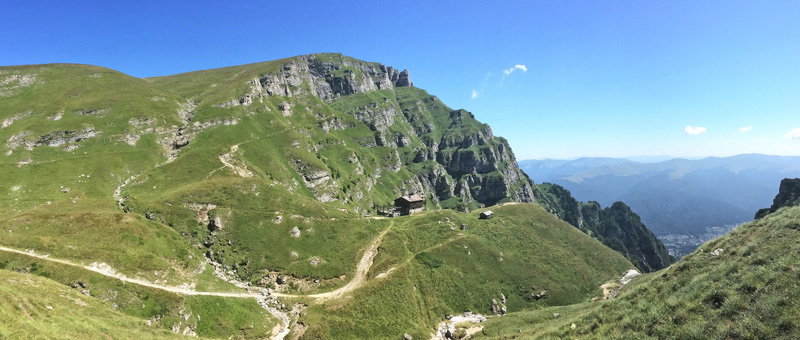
(228, 160)
(358, 280)
(105, 270)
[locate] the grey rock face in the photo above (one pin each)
(482, 167)
(52, 139)
(326, 79)
(404, 80)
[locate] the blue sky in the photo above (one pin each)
(595, 78)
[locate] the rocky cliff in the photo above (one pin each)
(374, 115)
(788, 195)
(617, 226)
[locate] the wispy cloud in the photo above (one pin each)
(508, 72)
(745, 129)
(794, 134)
(695, 130)
(477, 92)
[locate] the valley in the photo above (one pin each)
(684, 202)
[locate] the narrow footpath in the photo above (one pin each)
(358, 280)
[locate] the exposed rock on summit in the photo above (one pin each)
(457, 159)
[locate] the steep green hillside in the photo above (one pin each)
(427, 267)
(743, 285)
(72, 134)
(616, 226)
(353, 132)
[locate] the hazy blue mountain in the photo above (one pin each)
(681, 199)
(650, 159)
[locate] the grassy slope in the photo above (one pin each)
(33, 307)
(85, 224)
(123, 303)
(750, 291)
(439, 271)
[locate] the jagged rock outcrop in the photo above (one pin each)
(788, 195)
(52, 139)
(469, 162)
(617, 226)
(328, 78)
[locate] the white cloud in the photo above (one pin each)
(794, 134)
(694, 130)
(745, 129)
(474, 94)
(516, 67)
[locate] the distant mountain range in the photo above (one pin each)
(677, 199)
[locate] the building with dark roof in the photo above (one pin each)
(409, 204)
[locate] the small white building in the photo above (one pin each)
(487, 215)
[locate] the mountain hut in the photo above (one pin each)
(408, 205)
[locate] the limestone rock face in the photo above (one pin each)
(52, 139)
(328, 79)
(450, 156)
(404, 80)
